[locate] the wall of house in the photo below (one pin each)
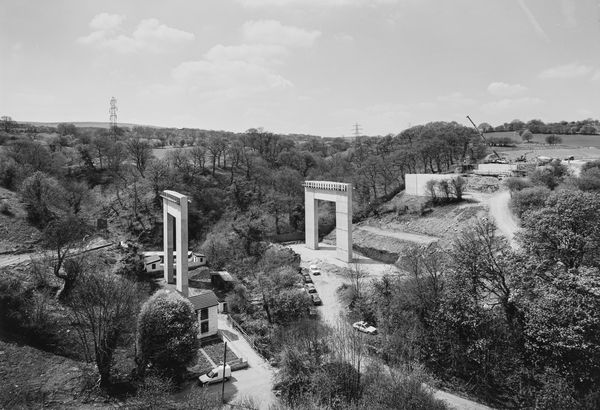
(416, 184)
(213, 322)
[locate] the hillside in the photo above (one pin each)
(16, 234)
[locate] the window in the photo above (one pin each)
(204, 314)
(154, 266)
(204, 327)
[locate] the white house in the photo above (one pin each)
(153, 260)
(205, 305)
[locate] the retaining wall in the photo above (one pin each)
(416, 184)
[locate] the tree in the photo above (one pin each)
(40, 193)
(167, 333)
(530, 198)
(61, 236)
(8, 124)
(565, 230)
(527, 136)
(103, 306)
(553, 139)
(66, 129)
(140, 152)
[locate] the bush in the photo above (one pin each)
(553, 139)
(517, 184)
(167, 332)
(5, 209)
(529, 199)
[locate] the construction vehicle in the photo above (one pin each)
(492, 158)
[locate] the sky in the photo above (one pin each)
(300, 66)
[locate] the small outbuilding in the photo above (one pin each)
(205, 306)
(222, 280)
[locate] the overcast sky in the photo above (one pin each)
(300, 66)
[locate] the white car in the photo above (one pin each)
(362, 326)
(314, 269)
(215, 375)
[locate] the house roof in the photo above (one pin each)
(226, 276)
(204, 300)
(149, 260)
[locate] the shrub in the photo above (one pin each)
(5, 209)
(167, 332)
(529, 198)
(517, 184)
(553, 139)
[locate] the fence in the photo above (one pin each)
(247, 337)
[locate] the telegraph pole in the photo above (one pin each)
(113, 116)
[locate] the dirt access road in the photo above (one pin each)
(498, 205)
(9, 260)
(332, 278)
(404, 236)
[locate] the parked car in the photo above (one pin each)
(364, 327)
(316, 299)
(314, 269)
(307, 278)
(310, 288)
(215, 375)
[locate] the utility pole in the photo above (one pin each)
(113, 116)
(357, 130)
(224, 364)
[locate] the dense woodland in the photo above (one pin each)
(514, 327)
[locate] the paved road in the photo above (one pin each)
(405, 236)
(331, 278)
(255, 382)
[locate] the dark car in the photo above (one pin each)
(316, 299)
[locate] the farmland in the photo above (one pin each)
(570, 140)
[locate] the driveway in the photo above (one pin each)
(256, 381)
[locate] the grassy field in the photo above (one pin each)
(570, 140)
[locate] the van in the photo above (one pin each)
(215, 375)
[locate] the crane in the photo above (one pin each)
(483, 138)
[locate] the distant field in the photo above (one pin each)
(160, 153)
(570, 140)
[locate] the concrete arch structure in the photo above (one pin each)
(175, 212)
(341, 194)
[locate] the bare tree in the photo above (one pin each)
(103, 307)
(61, 237)
(140, 152)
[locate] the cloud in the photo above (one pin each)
(572, 70)
(149, 35)
(511, 103)
(312, 3)
(263, 54)
(106, 22)
(500, 89)
(273, 32)
(227, 78)
(532, 20)
(455, 99)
